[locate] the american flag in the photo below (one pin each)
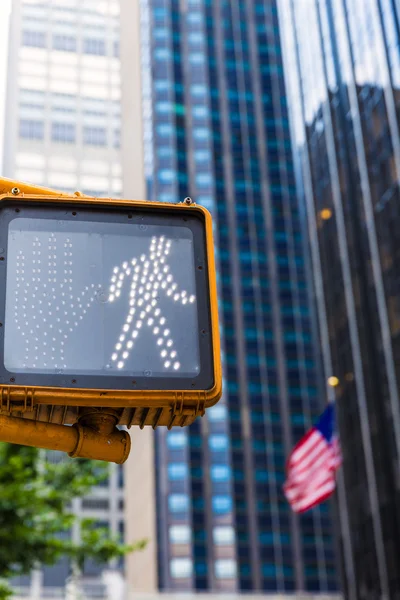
(312, 465)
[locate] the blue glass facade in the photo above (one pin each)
(217, 129)
(344, 76)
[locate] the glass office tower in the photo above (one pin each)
(344, 72)
(216, 128)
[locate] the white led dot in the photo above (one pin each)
(160, 342)
(162, 321)
(150, 322)
(176, 366)
(134, 333)
(118, 346)
(176, 297)
(192, 299)
(156, 330)
(164, 353)
(120, 365)
(166, 332)
(129, 344)
(121, 338)
(169, 343)
(111, 298)
(125, 354)
(167, 364)
(173, 354)
(139, 324)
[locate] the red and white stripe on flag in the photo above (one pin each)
(311, 470)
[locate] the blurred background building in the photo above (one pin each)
(62, 124)
(216, 128)
(62, 129)
(344, 72)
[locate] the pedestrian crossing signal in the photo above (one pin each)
(108, 303)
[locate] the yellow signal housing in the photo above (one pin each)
(174, 276)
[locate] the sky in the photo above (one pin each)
(5, 6)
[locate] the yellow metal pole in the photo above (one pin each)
(80, 441)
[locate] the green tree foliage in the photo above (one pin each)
(36, 516)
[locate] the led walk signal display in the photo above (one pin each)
(100, 301)
(109, 300)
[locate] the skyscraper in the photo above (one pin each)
(216, 128)
(345, 77)
(62, 129)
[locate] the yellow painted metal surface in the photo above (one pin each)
(137, 407)
(79, 441)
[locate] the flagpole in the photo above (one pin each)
(342, 515)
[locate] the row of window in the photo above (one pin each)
(182, 534)
(67, 133)
(217, 442)
(182, 568)
(179, 472)
(179, 503)
(68, 43)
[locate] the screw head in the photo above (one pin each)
(15, 191)
(188, 201)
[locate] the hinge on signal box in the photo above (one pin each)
(8, 404)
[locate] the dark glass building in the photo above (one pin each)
(217, 129)
(345, 86)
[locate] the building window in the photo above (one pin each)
(218, 442)
(37, 39)
(95, 504)
(31, 129)
(120, 477)
(94, 46)
(94, 136)
(225, 568)
(224, 535)
(178, 503)
(220, 473)
(218, 412)
(177, 471)
(221, 504)
(67, 43)
(180, 534)
(63, 132)
(181, 568)
(176, 439)
(117, 138)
